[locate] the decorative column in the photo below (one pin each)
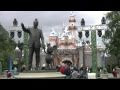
(26, 48)
(80, 56)
(100, 57)
(94, 51)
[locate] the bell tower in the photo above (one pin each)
(72, 24)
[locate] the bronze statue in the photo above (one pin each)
(49, 57)
(34, 42)
(15, 22)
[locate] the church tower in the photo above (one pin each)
(72, 24)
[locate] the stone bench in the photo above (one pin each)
(42, 75)
(104, 76)
(91, 75)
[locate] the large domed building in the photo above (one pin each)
(70, 46)
(66, 42)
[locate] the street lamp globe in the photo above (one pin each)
(18, 55)
(17, 49)
(106, 54)
(17, 52)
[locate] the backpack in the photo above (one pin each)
(62, 69)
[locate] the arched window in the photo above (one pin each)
(19, 34)
(12, 34)
(80, 34)
(87, 33)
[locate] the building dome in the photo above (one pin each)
(53, 33)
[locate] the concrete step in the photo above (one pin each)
(40, 71)
(43, 75)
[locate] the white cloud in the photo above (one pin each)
(49, 19)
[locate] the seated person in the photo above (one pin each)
(58, 68)
(65, 69)
(114, 73)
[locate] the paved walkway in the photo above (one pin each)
(110, 75)
(45, 75)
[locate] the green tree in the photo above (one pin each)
(7, 47)
(112, 35)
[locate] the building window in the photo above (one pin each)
(12, 34)
(19, 34)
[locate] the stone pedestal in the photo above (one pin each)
(88, 59)
(99, 59)
(104, 76)
(91, 75)
(40, 75)
(80, 56)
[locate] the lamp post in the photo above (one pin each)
(93, 29)
(26, 48)
(105, 57)
(83, 45)
(94, 51)
(102, 58)
(18, 55)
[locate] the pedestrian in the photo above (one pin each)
(9, 75)
(23, 68)
(114, 73)
(75, 74)
(58, 68)
(83, 73)
(62, 68)
(67, 69)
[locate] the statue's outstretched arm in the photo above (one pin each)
(24, 28)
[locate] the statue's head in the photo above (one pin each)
(35, 23)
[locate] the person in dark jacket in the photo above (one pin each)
(114, 73)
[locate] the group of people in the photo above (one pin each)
(72, 72)
(82, 73)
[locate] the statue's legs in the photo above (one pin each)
(31, 51)
(37, 51)
(48, 66)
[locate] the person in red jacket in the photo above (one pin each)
(62, 68)
(9, 74)
(114, 73)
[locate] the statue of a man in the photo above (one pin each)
(34, 42)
